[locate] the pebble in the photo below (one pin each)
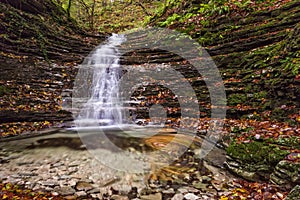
(200, 186)
(204, 197)
(169, 191)
(19, 182)
(54, 193)
(190, 196)
(74, 165)
(123, 189)
(206, 179)
(63, 177)
(178, 197)
(119, 197)
(156, 196)
(28, 174)
(183, 190)
(76, 176)
(192, 190)
(37, 187)
(48, 189)
(58, 164)
(25, 163)
(95, 190)
(86, 180)
(49, 183)
(81, 194)
(65, 191)
(72, 182)
(96, 196)
(70, 197)
(82, 185)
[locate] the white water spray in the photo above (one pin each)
(104, 104)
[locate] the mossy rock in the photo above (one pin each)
(249, 171)
(253, 161)
(286, 174)
(256, 152)
(294, 194)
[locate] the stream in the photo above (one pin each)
(59, 163)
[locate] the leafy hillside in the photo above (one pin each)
(110, 16)
(28, 28)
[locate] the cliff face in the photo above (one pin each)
(257, 51)
(39, 47)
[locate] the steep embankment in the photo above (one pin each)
(256, 48)
(39, 44)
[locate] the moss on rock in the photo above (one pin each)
(256, 152)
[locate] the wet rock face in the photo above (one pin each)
(38, 86)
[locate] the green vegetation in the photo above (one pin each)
(240, 129)
(170, 20)
(292, 142)
(110, 17)
(256, 152)
(235, 99)
(182, 11)
(291, 64)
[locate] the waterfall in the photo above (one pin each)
(104, 104)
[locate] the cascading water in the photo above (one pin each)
(104, 104)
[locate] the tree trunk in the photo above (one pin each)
(92, 15)
(69, 8)
(78, 8)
